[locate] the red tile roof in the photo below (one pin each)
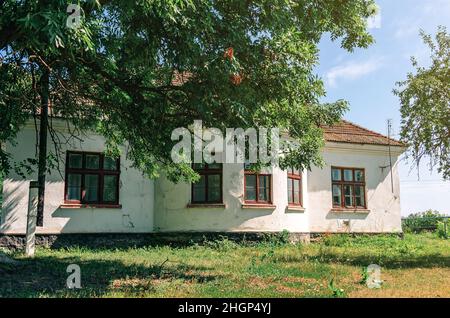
(180, 78)
(348, 132)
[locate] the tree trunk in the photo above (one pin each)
(42, 165)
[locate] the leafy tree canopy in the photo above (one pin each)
(425, 105)
(246, 64)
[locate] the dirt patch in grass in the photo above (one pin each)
(419, 282)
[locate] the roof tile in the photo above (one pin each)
(348, 132)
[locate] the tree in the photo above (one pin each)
(32, 46)
(425, 105)
(242, 64)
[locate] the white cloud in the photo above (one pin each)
(352, 70)
(407, 29)
(425, 14)
(436, 7)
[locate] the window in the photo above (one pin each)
(257, 187)
(209, 188)
(294, 187)
(348, 187)
(92, 178)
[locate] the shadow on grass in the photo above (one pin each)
(46, 276)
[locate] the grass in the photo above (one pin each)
(417, 266)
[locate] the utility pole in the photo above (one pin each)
(389, 128)
(42, 164)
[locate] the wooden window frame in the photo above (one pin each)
(206, 171)
(257, 201)
(353, 184)
(291, 177)
(100, 172)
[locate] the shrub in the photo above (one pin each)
(426, 220)
(276, 239)
(283, 237)
(336, 291)
(364, 276)
(221, 244)
(338, 240)
(443, 229)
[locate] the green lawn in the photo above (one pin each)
(418, 266)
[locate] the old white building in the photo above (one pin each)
(351, 193)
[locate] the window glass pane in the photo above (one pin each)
(264, 188)
(337, 195)
(92, 162)
(296, 185)
(359, 196)
(290, 186)
(214, 166)
(198, 166)
(289, 183)
(336, 174)
(358, 190)
(74, 187)
(296, 171)
(359, 175)
(250, 187)
(297, 191)
(109, 163)
(91, 187)
(214, 188)
(348, 175)
(359, 201)
(290, 194)
(75, 160)
(348, 195)
(199, 190)
(348, 190)
(110, 188)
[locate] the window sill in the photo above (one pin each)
(295, 208)
(357, 210)
(94, 206)
(206, 205)
(264, 206)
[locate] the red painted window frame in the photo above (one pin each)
(86, 171)
(257, 201)
(208, 171)
(353, 183)
(291, 177)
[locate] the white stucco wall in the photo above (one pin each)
(382, 214)
(174, 215)
(383, 206)
(136, 195)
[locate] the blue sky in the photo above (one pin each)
(366, 78)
